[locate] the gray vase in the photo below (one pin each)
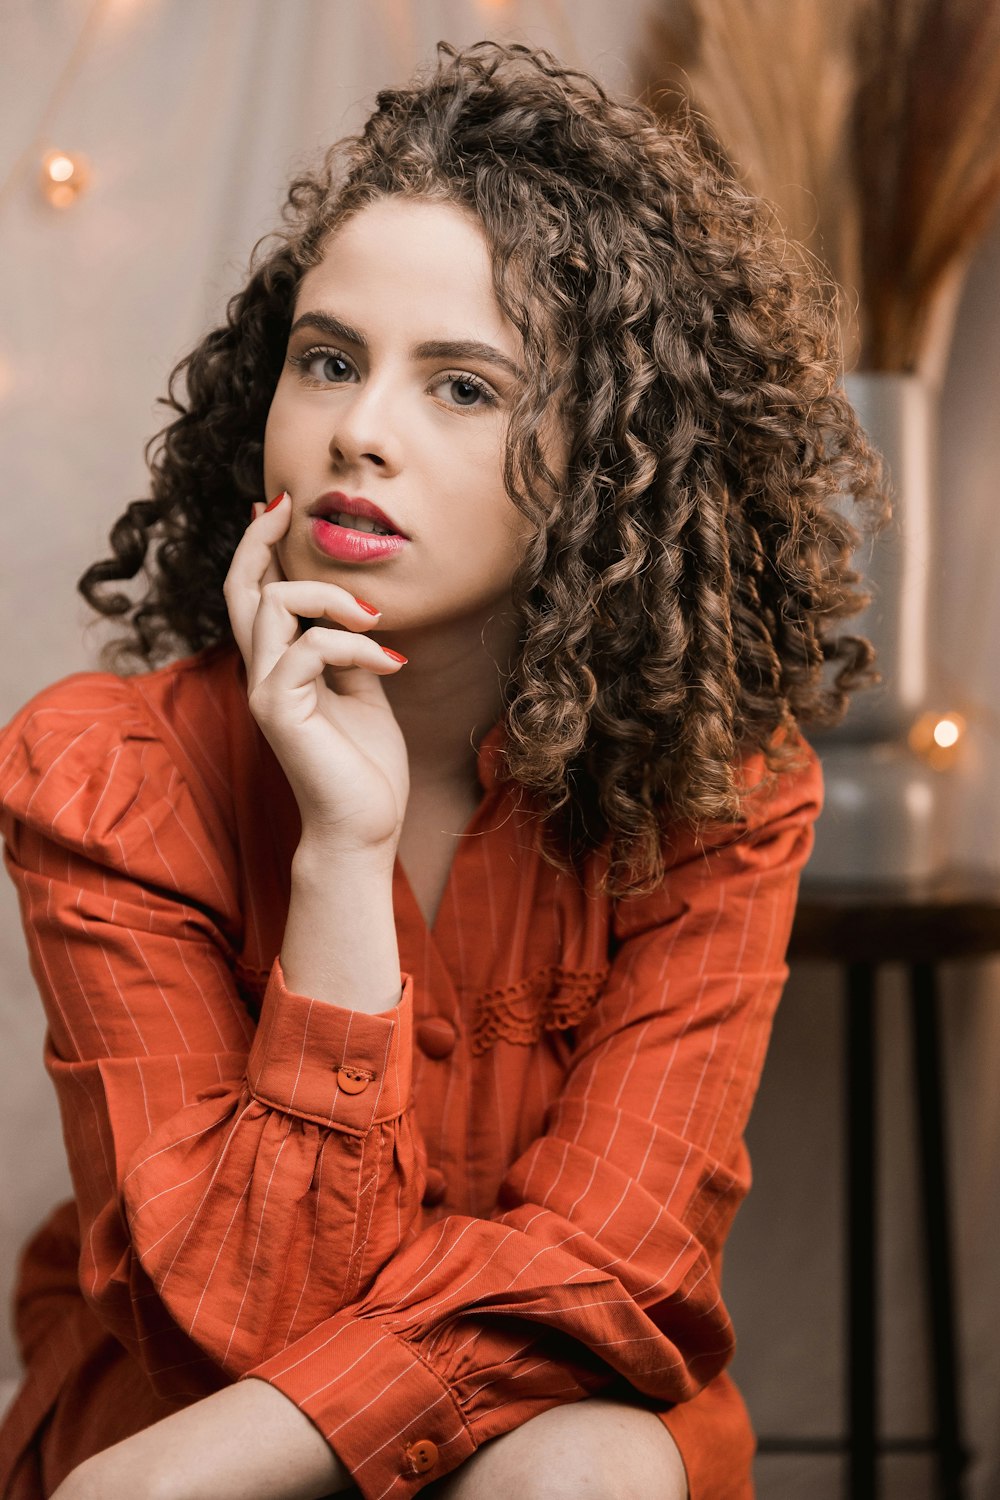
(882, 818)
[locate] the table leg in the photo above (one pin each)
(951, 1455)
(862, 1258)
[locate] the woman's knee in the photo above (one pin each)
(595, 1449)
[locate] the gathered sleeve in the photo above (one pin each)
(600, 1263)
(209, 1157)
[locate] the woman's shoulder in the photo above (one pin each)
(93, 739)
(105, 704)
(62, 726)
(776, 833)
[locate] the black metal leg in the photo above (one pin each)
(951, 1456)
(862, 1259)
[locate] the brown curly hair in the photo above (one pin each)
(679, 587)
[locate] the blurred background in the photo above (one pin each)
(145, 146)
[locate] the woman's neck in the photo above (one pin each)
(450, 694)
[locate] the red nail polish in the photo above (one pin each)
(365, 605)
(394, 654)
(276, 501)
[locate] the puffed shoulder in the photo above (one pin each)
(775, 834)
(60, 750)
(83, 765)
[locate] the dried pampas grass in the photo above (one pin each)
(872, 126)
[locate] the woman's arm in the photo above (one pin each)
(340, 942)
(245, 1442)
(230, 1191)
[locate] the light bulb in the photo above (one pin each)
(946, 733)
(937, 737)
(63, 176)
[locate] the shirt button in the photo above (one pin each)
(436, 1036)
(436, 1186)
(352, 1080)
(422, 1455)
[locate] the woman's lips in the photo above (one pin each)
(354, 546)
(335, 503)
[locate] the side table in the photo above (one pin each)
(860, 926)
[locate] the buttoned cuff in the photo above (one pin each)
(332, 1064)
(389, 1418)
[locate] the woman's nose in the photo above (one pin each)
(363, 425)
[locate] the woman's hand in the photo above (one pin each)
(342, 750)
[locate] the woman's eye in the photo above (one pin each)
(326, 357)
(477, 387)
(313, 356)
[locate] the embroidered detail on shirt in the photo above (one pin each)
(550, 999)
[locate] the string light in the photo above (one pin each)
(946, 732)
(89, 32)
(63, 176)
(937, 738)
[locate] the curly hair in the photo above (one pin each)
(683, 573)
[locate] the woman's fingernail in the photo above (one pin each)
(365, 605)
(276, 501)
(394, 654)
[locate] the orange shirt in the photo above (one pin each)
(423, 1226)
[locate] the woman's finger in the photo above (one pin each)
(317, 648)
(254, 563)
(283, 604)
(273, 573)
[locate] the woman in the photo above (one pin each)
(410, 943)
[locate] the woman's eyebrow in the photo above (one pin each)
(431, 349)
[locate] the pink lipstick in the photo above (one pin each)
(354, 546)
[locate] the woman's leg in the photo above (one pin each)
(594, 1449)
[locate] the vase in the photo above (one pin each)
(882, 818)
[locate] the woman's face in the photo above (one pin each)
(419, 433)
